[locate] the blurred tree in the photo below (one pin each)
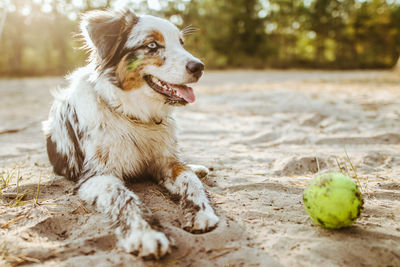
(286, 22)
(3, 16)
(15, 39)
(236, 31)
(38, 34)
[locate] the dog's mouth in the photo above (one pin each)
(174, 93)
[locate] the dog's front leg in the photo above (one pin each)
(131, 218)
(180, 180)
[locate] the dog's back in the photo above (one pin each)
(63, 140)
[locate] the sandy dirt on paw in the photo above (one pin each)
(263, 134)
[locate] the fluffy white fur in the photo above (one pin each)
(100, 135)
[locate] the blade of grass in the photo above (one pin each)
(6, 178)
(354, 170)
(346, 168)
(337, 162)
(19, 197)
(316, 159)
(16, 197)
(37, 190)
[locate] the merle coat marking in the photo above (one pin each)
(113, 123)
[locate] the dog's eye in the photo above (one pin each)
(181, 41)
(152, 45)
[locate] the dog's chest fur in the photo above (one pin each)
(109, 142)
(129, 148)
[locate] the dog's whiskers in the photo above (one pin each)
(189, 30)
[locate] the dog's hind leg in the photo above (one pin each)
(130, 217)
(180, 180)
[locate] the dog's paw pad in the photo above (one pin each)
(147, 244)
(202, 221)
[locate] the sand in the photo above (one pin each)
(263, 134)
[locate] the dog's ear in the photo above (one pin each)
(106, 31)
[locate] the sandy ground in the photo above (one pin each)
(262, 135)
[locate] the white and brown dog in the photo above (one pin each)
(113, 124)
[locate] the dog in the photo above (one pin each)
(113, 124)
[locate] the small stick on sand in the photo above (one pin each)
(13, 220)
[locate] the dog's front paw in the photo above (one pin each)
(200, 222)
(146, 243)
(200, 170)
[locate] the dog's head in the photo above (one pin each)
(143, 55)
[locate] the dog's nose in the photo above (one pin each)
(195, 68)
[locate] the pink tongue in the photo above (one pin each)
(186, 92)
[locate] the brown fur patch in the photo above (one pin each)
(102, 155)
(131, 80)
(176, 169)
(156, 61)
(108, 31)
(157, 36)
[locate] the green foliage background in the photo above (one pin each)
(38, 37)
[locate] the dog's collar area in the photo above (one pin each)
(136, 120)
(158, 122)
(132, 119)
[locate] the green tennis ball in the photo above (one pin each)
(333, 200)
